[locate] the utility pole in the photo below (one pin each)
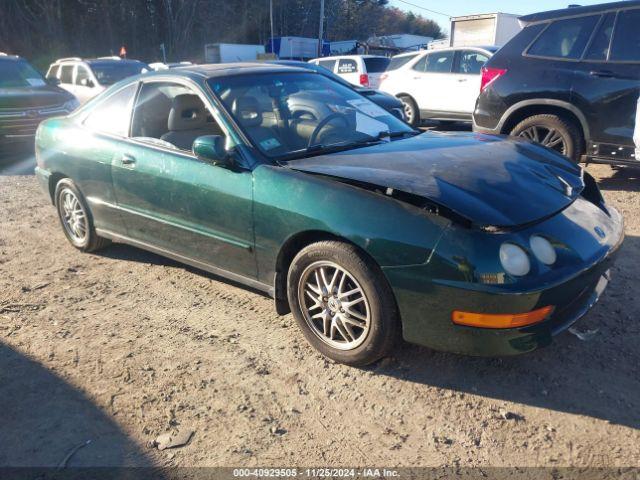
(271, 20)
(321, 32)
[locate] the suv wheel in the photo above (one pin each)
(553, 132)
(411, 112)
(342, 302)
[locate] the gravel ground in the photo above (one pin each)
(120, 347)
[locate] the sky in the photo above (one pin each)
(469, 7)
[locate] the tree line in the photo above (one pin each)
(42, 30)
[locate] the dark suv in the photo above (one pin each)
(569, 80)
(26, 99)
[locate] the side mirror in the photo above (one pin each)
(53, 81)
(211, 148)
(86, 82)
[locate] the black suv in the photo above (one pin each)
(569, 80)
(26, 99)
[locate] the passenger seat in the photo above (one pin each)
(187, 121)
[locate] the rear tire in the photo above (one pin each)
(342, 303)
(552, 131)
(75, 218)
(411, 112)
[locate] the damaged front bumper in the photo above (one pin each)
(426, 304)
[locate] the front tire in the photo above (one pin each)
(411, 112)
(75, 218)
(553, 132)
(342, 302)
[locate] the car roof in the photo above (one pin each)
(96, 61)
(223, 69)
(488, 48)
(333, 57)
(10, 57)
(576, 11)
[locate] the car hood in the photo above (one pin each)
(33, 97)
(489, 180)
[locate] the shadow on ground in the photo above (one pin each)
(120, 251)
(625, 179)
(43, 420)
(598, 377)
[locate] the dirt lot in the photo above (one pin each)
(119, 347)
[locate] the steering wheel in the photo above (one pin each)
(323, 123)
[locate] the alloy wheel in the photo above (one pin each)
(334, 305)
(74, 218)
(549, 137)
(408, 112)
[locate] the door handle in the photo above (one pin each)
(128, 159)
(462, 80)
(602, 73)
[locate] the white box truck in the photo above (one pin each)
(231, 52)
(484, 29)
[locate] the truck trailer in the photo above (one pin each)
(484, 29)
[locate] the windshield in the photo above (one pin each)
(290, 115)
(110, 73)
(376, 64)
(19, 74)
(397, 62)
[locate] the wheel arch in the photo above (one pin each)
(54, 179)
(527, 108)
(287, 253)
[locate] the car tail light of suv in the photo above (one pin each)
(364, 80)
(490, 75)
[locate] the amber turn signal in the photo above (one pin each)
(502, 320)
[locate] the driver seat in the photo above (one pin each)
(187, 121)
(247, 111)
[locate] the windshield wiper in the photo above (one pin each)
(333, 147)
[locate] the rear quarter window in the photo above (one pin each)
(564, 39)
(397, 62)
(626, 40)
(53, 71)
(376, 65)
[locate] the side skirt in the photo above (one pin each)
(234, 277)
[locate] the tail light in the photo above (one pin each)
(364, 80)
(490, 75)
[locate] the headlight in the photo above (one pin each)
(514, 259)
(71, 105)
(543, 250)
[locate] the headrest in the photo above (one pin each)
(247, 111)
(187, 113)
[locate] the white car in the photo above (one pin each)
(360, 70)
(636, 135)
(157, 66)
(87, 78)
(438, 84)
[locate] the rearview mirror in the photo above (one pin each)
(211, 148)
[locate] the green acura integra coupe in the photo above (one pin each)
(288, 182)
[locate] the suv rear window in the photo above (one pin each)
(565, 39)
(626, 42)
(376, 65)
(397, 62)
